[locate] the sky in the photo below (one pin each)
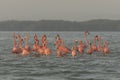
(72, 10)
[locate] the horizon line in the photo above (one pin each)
(59, 20)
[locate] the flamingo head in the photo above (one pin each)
(26, 37)
(81, 41)
(90, 43)
(86, 32)
(106, 43)
(58, 35)
(76, 41)
(96, 37)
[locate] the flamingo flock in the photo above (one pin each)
(40, 47)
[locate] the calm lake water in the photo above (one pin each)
(83, 67)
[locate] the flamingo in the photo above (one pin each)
(74, 49)
(63, 48)
(27, 47)
(24, 51)
(81, 47)
(99, 48)
(60, 47)
(58, 52)
(43, 40)
(94, 47)
(36, 43)
(15, 48)
(90, 51)
(57, 44)
(106, 49)
(40, 50)
(85, 37)
(58, 41)
(47, 51)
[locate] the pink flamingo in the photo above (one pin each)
(74, 49)
(90, 50)
(15, 48)
(36, 43)
(81, 47)
(24, 51)
(27, 47)
(85, 37)
(94, 47)
(63, 48)
(99, 48)
(106, 49)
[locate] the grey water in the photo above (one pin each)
(83, 67)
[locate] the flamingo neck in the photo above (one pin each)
(106, 45)
(27, 43)
(21, 47)
(87, 42)
(15, 43)
(62, 42)
(20, 41)
(95, 42)
(99, 42)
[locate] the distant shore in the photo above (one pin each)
(60, 25)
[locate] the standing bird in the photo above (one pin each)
(64, 49)
(81, 47)
(105, 48)
(47, 51)
(74, 49)
(90, 50)
(94, 47)
(57, 44)
(99, 47)
(24, 51)
(27, 46)
(36, 43)
(86, 39)
(15, 49)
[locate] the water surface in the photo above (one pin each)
(85, 67)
